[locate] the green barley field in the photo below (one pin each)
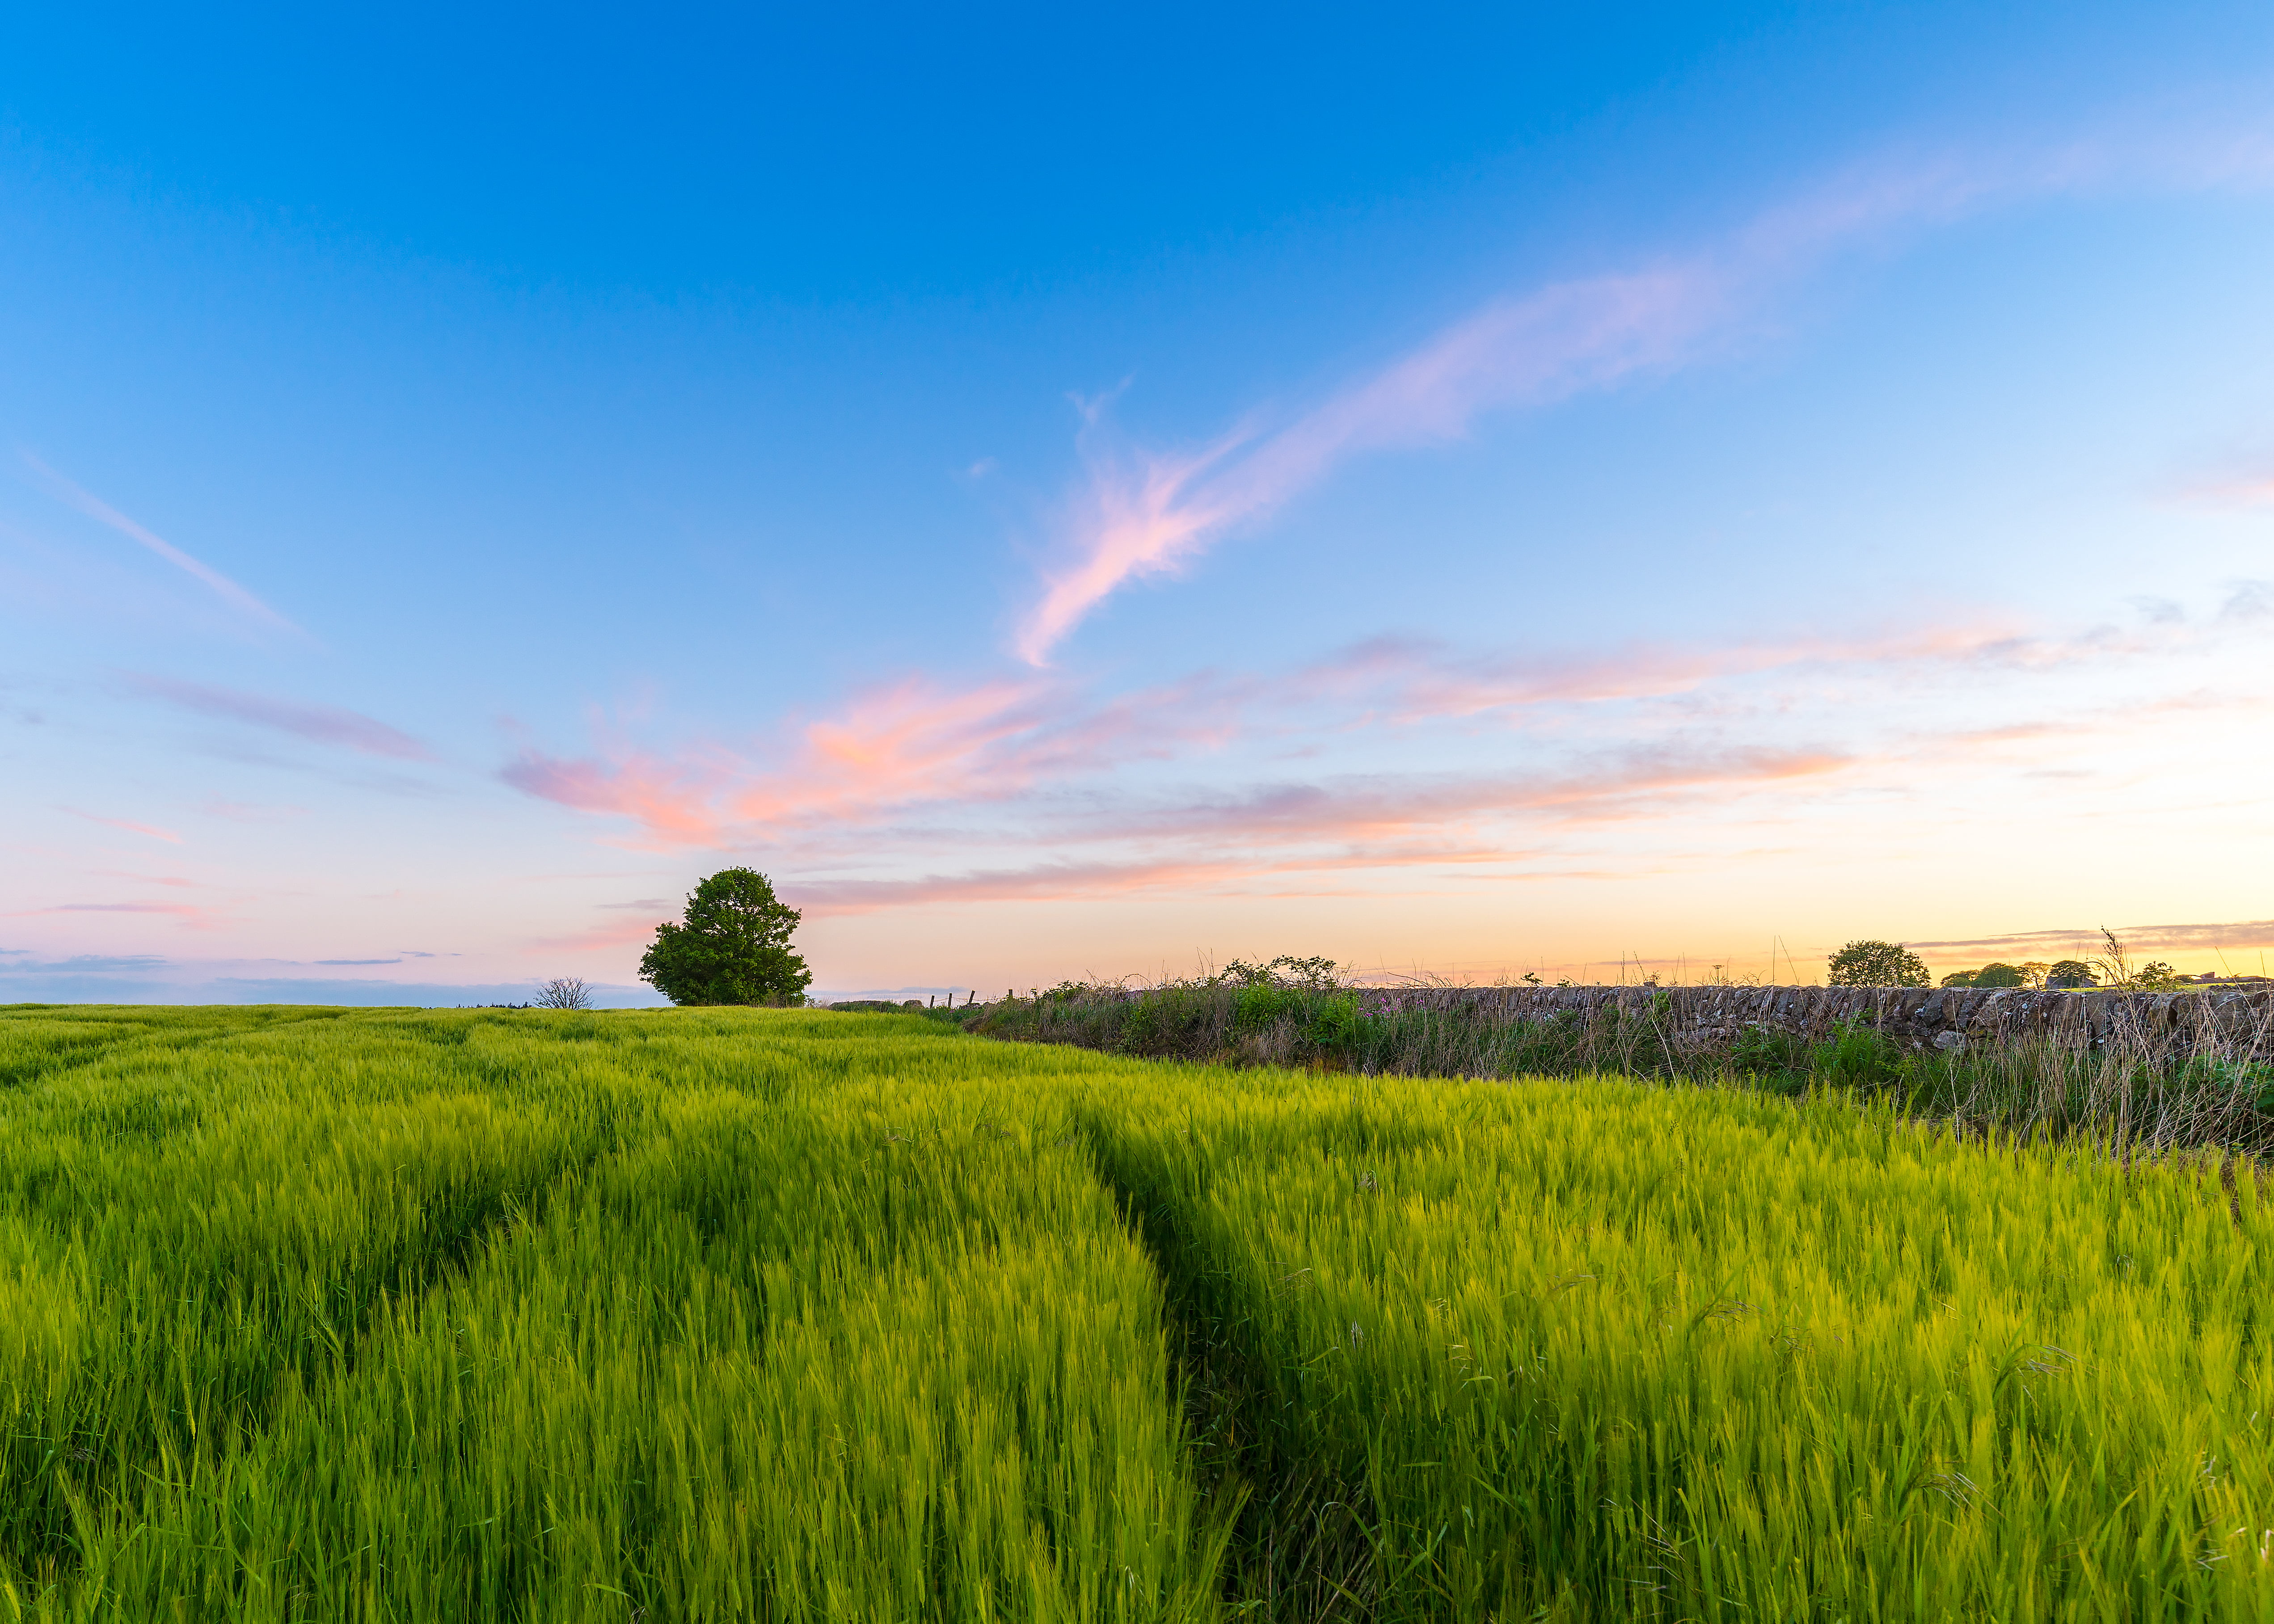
(722, 1314)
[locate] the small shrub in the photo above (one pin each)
(1856, 1057)
(1262, 1006)
(1763, 1049)
(1338, 1024)
(2252, 1079)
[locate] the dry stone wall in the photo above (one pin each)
(2228, 1021)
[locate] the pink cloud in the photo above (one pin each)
(235, 596)
(1386, 806)
(618, 933)
(908, 743)
(916, 744)
(1144, 514)
(673, 804)
(240, 812)
(1400, 680)
(151, 830)
(197, 917)
(2245, 492)
(1069, 881)
(2238, 934)
(1147, 513)
(1141, 514)
(317, 724)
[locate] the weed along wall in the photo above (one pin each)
(2147, 1069)
(1915, 1016)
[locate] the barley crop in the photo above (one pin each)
(710, 1315)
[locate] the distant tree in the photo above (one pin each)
(2070, 973)
(1958, 978)
(2034, 972)
(1998, 973)
(1878, 964)
(2157, 976)
(563, 992)
(733, 947)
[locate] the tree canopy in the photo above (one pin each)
(2071, 972)
(1878, 964)
(733, 947)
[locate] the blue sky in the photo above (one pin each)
(1455, 490)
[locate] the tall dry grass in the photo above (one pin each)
(2140, 1080)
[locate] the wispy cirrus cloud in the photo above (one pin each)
(326, 725)
(907, 741)
(1298, 835)
(1062, 882)
(128, 824)
(1370, 808)
(1139, 513)
(915, 745)
(95, 507)
(2238, 934)
(2247, 490)
(1142, 514)
(197, 916)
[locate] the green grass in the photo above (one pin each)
(315, 1315)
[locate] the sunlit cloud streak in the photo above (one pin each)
(2238, 934)
(1144, 514)
(1140, 512)
(103, 512)
(128, 824)
(911, 741)
(326, 725)
(1375, 807)
(2248, 491)
(196, 916)
(915, 745)
(1382, 824)
(1058, 882)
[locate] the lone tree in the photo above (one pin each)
(732, 948)
(2070, 973)
(564, 992)
(1878, 964)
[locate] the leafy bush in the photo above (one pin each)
(1856, 1057)
(2242, 1077)
(1337, 1025)
(1998, 973)
(1768, 1048)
